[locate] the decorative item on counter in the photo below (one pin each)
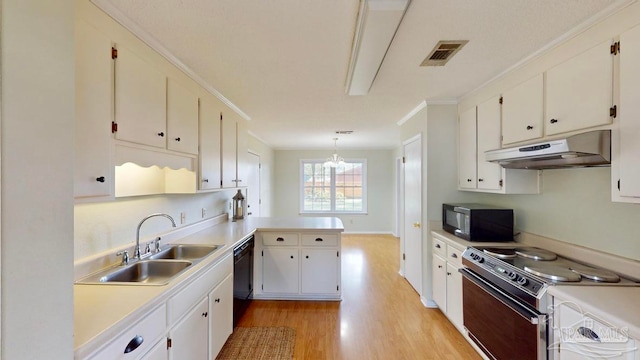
(238, 206)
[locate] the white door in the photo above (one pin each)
(413, 213)
(253, 191)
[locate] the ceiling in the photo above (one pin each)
(284, 62)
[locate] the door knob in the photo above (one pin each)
(416, 224)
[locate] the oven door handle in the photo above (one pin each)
(533, 317)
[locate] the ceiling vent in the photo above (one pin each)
(443, 52)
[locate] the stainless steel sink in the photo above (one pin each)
(144, 272)
(185, 252)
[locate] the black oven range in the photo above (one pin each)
(505, 301)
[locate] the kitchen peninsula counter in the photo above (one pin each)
(103, 311)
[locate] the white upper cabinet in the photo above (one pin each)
(234, 150)
(522, 111)
(579, 91)
(140, 100)
(210, 112)
(489, 174)
(467, 149)
(182, 119)
(93, 173)
(628, 131)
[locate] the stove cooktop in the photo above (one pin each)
(533, 269)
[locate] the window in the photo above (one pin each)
(333, 190)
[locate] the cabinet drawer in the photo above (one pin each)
(198, 289)
(581, 334)
(319, 239)
(145, 333)
(284, 239)
(439, 247)
(454, 256)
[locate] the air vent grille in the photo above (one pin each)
(344, 132)
(443, 52)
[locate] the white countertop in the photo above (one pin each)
(465, 244)
(102, 311)
(618, 306)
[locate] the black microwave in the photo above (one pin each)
(478, 222)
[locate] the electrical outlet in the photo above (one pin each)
(204, 212)
(183, 218)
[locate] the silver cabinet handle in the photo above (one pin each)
(588, 333)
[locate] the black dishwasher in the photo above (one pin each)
(242, 278)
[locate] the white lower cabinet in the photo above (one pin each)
(157, 352)
(193, 324)
(319, 271)
(280, 270)
(580, 336)
(446, 280)
(189, 338)
(220, 315)
(137, 339)
(298, 265)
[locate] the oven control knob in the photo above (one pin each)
(480, 259)
(512, 275)
(523, 281)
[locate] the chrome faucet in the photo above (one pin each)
(136, 254)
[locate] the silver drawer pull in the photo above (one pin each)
(588, 333)
(134, 344)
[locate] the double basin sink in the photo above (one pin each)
(155, 269)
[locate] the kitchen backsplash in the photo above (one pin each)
(100, 227)
(575, 206)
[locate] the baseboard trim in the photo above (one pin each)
(428, 303)
(369, 233)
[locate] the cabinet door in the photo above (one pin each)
(221, 317)
(629, 124)
(93, 173)
(210, 110)
(242, 158)
(522, 111)
(579, 92)
(182, 119)
(280, 270)
(439, 279)
(189, 338)
(489, 174)
(467, 149)
(454, 296)
(158, 352)
(140, 100)
(229, 147)
(319, 271)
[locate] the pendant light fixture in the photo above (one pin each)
(334, 160)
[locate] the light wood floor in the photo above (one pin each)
(380, 316)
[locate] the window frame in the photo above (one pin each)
(333, 211)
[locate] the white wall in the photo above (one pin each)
(380, 187)
(438, 126)
(37, 179)
(575, 205)
(100, 227)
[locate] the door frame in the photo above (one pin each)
(417, 137)
(259, 183)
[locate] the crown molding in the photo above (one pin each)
(411, 113)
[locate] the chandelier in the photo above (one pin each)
(334, 160)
